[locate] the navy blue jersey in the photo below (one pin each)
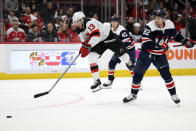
(152, 35)
(123, 34)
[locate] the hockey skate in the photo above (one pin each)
(96, 86)
(175, 99)
(108, 84)
(129, 98)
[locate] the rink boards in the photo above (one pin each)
(34, 61)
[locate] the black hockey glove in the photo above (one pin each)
(188, 43)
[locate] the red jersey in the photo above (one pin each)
(12, 34)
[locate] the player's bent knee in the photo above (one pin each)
(125, 58)
(165, 73)
(112, 64)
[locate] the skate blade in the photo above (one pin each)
(97, 89)
(107, 87)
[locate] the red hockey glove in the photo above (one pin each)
(85, 49)
(188, 43)
(164, 45)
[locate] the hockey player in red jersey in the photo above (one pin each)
(155, 39)
(96, 38)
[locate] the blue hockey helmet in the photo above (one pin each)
(159, 12)
(115, 18)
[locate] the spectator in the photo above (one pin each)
(167, 13)
(65, 19)
(150, 9)
(137, 32)
(95, 16)
(63, 33)
(74, 36)
(50, 34)
(190, 10)
(60, 13)
(70, 12)
(28, 17)
(33, 8)
(16, 34)
(22, 5)
(48, 13)
(161, 5)
(22, 24)
(176, 6)
(129, 24)
(34, 35)
(6, 26)
(11, 5)
(133, 12)
(179, 23)
(12, 17)
(167, 4)
(59, 22)
(174, 14)
(6, 23)
(39, 20)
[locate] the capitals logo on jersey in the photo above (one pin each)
(123, 34)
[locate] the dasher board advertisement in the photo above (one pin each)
(46, 61)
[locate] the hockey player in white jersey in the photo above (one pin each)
(96, 38)
(155, 39)
(123, 35)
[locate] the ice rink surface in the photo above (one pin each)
(71, 106)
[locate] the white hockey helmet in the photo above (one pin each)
(137, 25)
(77, 16)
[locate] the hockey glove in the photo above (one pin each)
(163, 45)
(85, 49)
(187, 43)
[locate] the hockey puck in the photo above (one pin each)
(9, 116)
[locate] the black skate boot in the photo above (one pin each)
(129, 98)
(96, 86)
(175, 99)
(108, 84)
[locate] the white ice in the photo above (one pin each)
(71, 106)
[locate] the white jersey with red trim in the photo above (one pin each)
(153, 35)
(12, 34)
(94, 31)
(124, 35)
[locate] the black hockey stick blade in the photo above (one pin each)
(41, 94)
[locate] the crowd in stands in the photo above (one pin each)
(32, 21)
(40, 21)
(174, 9)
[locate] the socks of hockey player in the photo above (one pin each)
(95, 71)
(135, 88)
(171, 87)
(111, 74)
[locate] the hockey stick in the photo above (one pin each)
(47, 92)
(192, 41)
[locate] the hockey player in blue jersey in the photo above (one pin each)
(155, 39)
(124, 36)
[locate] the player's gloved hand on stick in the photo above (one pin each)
(164, 45)
(187, 43)
(85, 49)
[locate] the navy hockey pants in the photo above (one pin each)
(144, 61)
